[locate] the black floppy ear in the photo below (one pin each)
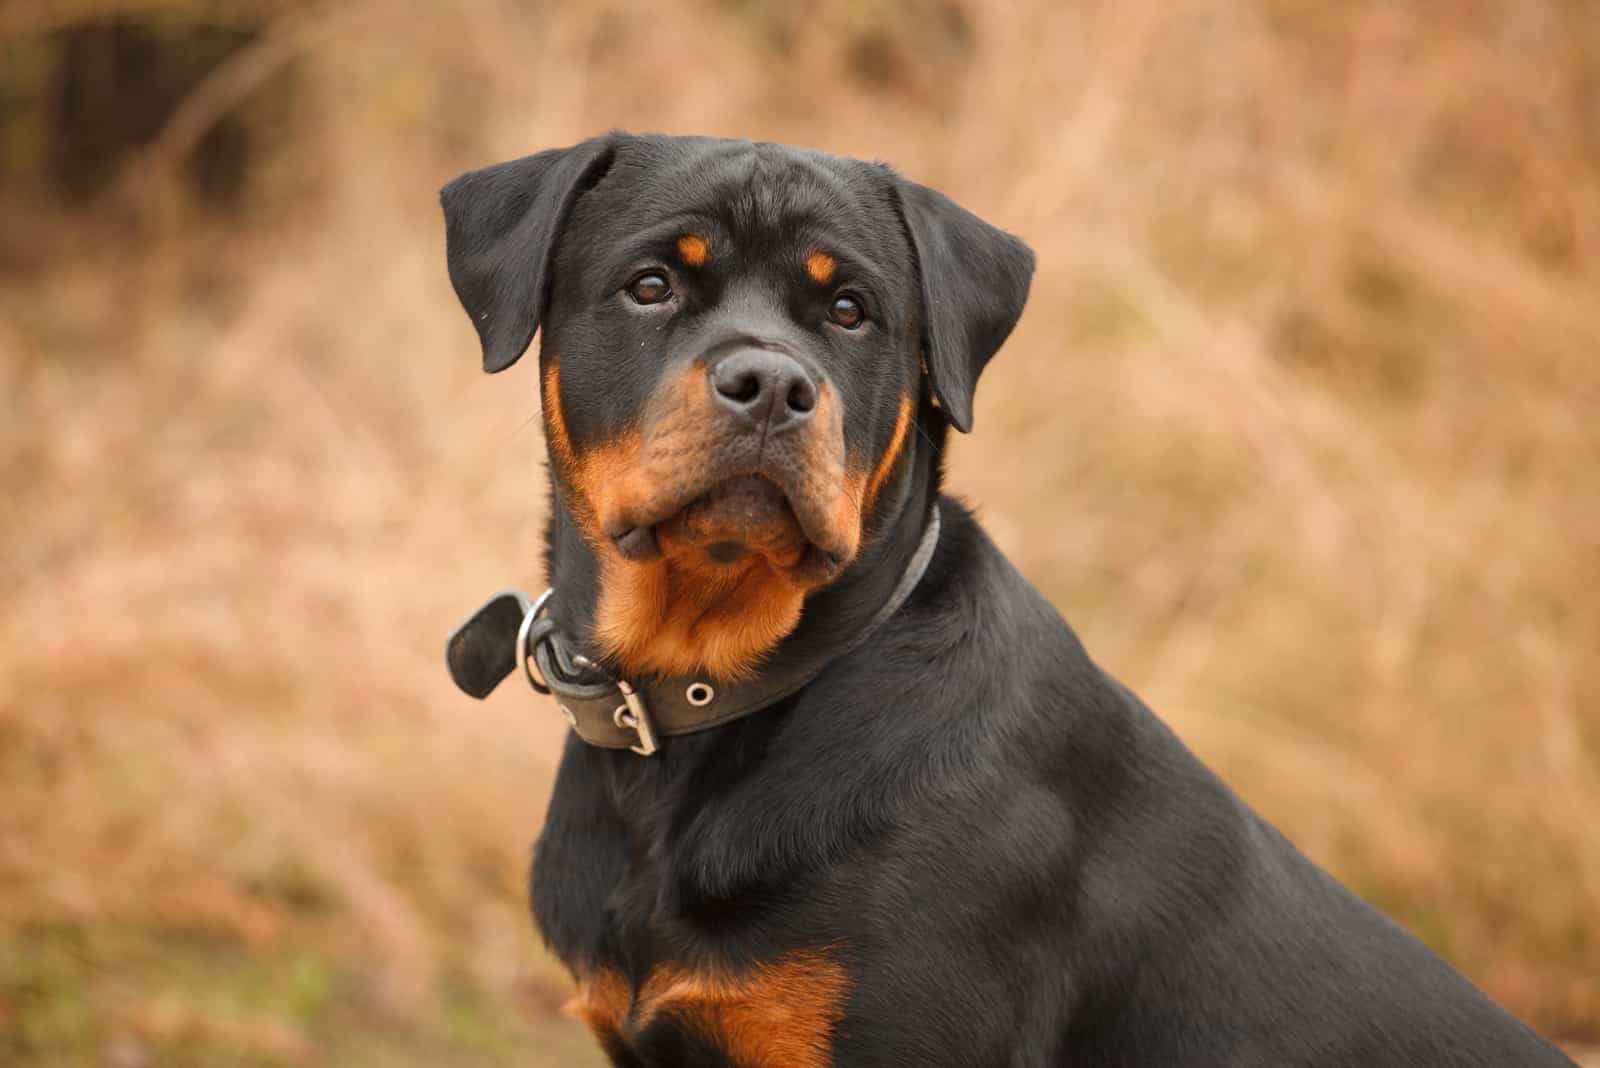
(974, 283)
(500, 227)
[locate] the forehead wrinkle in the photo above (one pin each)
(761, 185)
(747, 184)
(760, 192)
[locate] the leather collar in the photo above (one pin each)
(509, 631)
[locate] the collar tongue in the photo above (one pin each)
(483, 649)
(613, 713)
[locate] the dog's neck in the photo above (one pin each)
(833, 616)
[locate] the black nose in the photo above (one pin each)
(765, 388)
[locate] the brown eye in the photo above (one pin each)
(846, 310)
(650, 288)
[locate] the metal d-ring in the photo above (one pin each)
(525, 654)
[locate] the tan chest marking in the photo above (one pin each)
(781, 1015)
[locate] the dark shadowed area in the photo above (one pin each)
(1301, 431)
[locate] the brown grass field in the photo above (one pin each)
(1301, 431)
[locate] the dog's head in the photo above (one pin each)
(732, 366)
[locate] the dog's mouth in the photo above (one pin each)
(735, 521)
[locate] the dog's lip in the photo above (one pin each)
(635, 536)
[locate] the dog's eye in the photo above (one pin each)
(650, 288)
(847, 311)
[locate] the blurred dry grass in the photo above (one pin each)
(1301, 431)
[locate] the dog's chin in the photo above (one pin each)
(730, 525)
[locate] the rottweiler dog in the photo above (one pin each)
(843, 788)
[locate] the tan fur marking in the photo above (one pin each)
(602, 1002)
(693, 250)
(681, 615)
(902, 424)
(600, 471)
(684, 613)
(827, 477)
(780, 1016)
(820, 266)
(555, 425)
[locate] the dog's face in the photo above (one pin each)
(732, 365)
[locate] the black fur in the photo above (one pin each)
(967, 322)
(496, 217)
(1021, 865)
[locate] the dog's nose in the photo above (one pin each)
(765, 388)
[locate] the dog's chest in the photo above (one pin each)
(779, 1014)
(603, 895)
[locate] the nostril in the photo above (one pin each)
(741, 386)
(802, 396)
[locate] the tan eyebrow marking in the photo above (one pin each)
(819, 265)
(693, 249)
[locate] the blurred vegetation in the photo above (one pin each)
(83, 99)
(1300, 431)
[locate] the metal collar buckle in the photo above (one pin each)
(631, 715)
